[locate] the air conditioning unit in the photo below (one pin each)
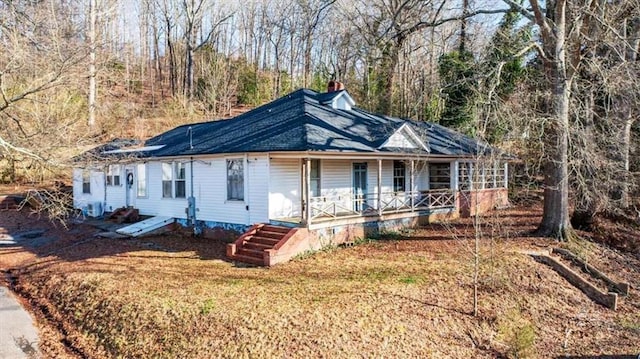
(94, 209)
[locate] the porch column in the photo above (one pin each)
(307, 181)
(454, 176)
(411, 185)
(379, 187)
(495, 174)
(472, 175)
(506, 175)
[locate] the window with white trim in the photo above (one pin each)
(113, 175)
(86, 181)
(235, 179)
(315, 178)
(465, 172)
(399, 176)
(439, 175)
(141, 186)
(167, 180)
(500, 174)
(173, 180)
(477, 179)
(180, 182)
(489, 175)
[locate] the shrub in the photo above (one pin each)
(518, 334)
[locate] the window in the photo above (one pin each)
(167, 180)
(86, 181)
(489, 175)
(235, 180)
(113, 175)
(180, 180)
(315, 178)
(500, 174)
(141, 170)
(465, 170)
(399, 176)
(439, 176)
(478, 176)
(173, 180)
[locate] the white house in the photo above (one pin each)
(302, 171)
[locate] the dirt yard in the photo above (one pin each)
(407, 294)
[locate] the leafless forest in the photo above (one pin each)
(555, 82)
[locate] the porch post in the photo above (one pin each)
(472, 174)
(379, 187)
(454, 176)
(506, 175)
(307, 191)
(495, 173)
(411, 186)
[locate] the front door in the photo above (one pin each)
(129, 188)
(359, 186)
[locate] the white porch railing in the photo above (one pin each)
(349, 205)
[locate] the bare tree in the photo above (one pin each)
(93, 4)
(42, 59)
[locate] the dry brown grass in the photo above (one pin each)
(179, 297)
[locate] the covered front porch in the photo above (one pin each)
(316, 192)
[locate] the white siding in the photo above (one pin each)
(336, 177)
(387, 176)
(210, 191)
(258, 187)
(80, 199)
(421, 176)
(284, 188)
(154, 204)
(399, 140)
(336, 181)
(116, 195)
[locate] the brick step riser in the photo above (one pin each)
(250, 253)
(262, 240)
(257, 246)
(281, 230)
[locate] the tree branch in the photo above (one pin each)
(425, 24)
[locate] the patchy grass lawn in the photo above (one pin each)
(408, 297)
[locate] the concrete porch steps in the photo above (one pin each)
(260, 244)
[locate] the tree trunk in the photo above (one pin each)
(555, 217)
(625, 200)
(92, 63)
(172, 60)
(307, 60)
(188, 74)
(389, 60)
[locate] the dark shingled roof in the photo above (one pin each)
(305, 121)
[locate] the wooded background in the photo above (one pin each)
(554, 83)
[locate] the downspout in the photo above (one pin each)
(104, 188)
(247, 189)
(191, 210)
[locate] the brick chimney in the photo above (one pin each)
(335, 86)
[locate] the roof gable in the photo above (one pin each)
(404, 137)
(338, 100)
